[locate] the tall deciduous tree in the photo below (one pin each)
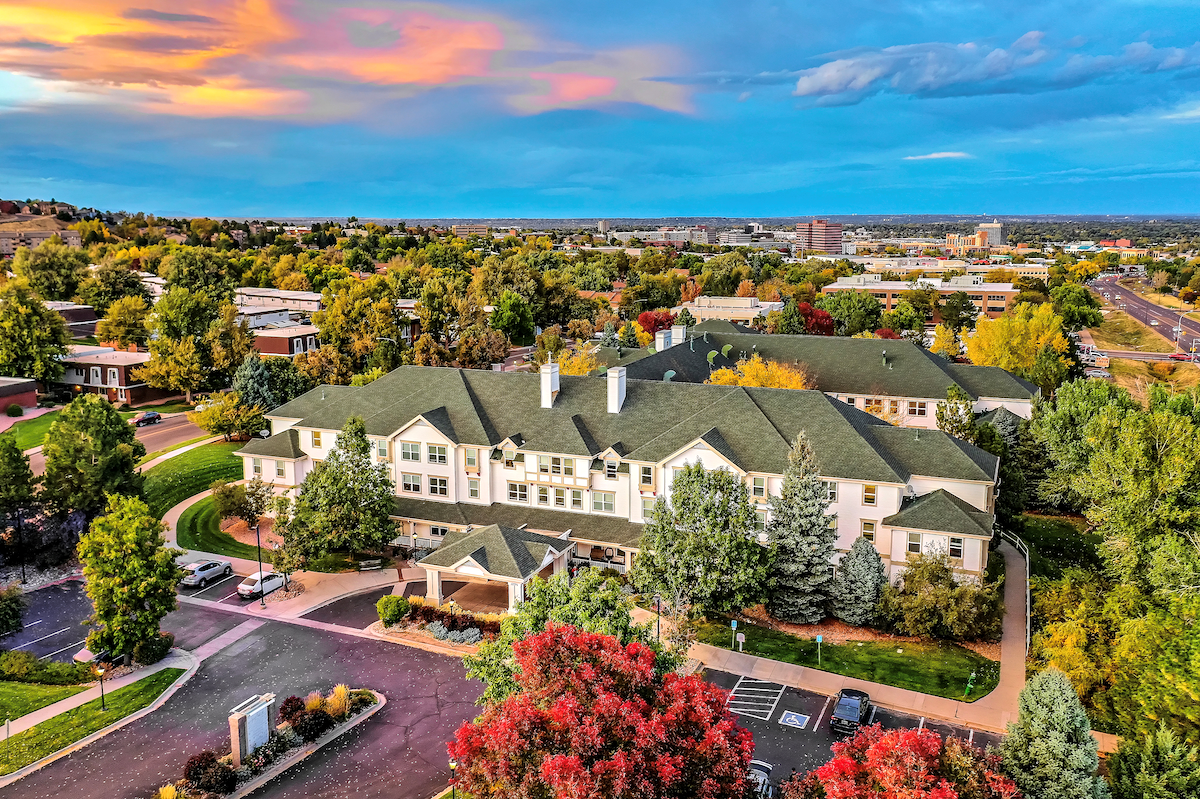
(593, 718)
(958, 312)
(33, 338)
(858, 584)
(1049, 751)
(325, 365)
(52, 269)
(125, 323)
(703, 544)
(514, 318)
(590, 602)
(1014, 340)
(131, 575)
(1159, 766)
(198, 269)
(956, 416)
(852, 311)
(945, 343)
(227, 415)
(758, 372)
(1077, 306)
(109, 282)
(174, 366)
(17, 494)
(357, 318)
(802, 541)
(90, 452)
(227, 343)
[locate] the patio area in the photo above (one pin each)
(479, 597)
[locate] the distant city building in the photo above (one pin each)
(12, 240)
(990, 298)
(602, 227)
(733, 238)
(819, 235)
(958, 244)
(994, 231)
(670, 236)
(741, 310)
(466, 231)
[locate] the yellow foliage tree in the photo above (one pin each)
(1014, 340)
(758, 372)
(581, 362)
(945, 342)
(746, 289)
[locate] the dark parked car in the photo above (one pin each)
(147, 417)
(851, 710)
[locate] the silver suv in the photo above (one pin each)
(204, 572)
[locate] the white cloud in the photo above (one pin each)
(936, 156)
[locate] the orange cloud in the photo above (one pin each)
(274, 57)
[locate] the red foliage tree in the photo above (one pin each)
(887, 332)
(816, 321)
(591, 720)
(654, 321)
(903, 764)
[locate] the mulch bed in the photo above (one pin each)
(245, 534)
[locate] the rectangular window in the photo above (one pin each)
(647, 475)
(956, 547)
(316, 439)
(868, 530)
(518, 492)
(556, 466)
(604, 501)
(439, 486)
(381, 447)
(543, 494)
(411, 483)
(759, 486)
(868, 495)
(279, 469)
(648, 507)
(849, 400)
(560, 498)
(96, 375)
(914, 543)
(875, 405)
(830, 490)
(312, 343)
(569, 467)
(112, 377)
(410, 451)
(437, 454)
(610, 470)
(510, 458)
(894, 407)
(121, 394)
(760, 520)
(576, 499)
(543, 464)
(473, 488)
(675, 473)
(916, 408)
(257, 463)
(436, 530)
(472, 457)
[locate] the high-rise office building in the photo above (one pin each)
(995, 231)
(819, 235)
(602, 226)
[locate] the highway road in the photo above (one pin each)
(1145, 311)
(170, 431)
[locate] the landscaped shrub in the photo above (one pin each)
(154, 649)
(12, 608)
(930, 603)
(438, 630)
(218, 778)
(15, 410)
(471, 635)
(194, 769)
(25, 667)
(291, 707)
(337, 704)
(392, 609)
(312, 724)
(314, 701)
(289, 736)
(360, 700)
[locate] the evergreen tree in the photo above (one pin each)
(1050, 752)
(956, 416)
(858, 584)
(801, 541)
(685, 318)
(610, 336)
(252, 383)
(791, 321)
(286, 381)
(1159, 767)
(628, 337)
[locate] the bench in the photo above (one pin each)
(370, 565)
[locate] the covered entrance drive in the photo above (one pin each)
(490, 557)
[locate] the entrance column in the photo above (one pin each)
(516, 594)
(433, 586)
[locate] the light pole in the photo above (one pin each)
(100, 671)
(658, 611)
(262, 581)
(453, 779)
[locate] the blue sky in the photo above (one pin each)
(547, 109)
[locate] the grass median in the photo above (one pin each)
(1120, 331)
(199, 528)
(937, 668)
(65, 729)
(20, 698)
(186, 475)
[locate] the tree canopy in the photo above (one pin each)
(33, 338)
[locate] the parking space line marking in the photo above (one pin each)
(222, 599)
(43, 638)
(874, 710)
(214, 585)
(27, 626)
(64, 649)
(754, 704)
(820, 717)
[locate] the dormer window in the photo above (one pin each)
(510, 458)
(610, 470)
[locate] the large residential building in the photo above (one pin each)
(991, 299)
(740, 310)
(582, 460)
(109, 372)
(13, 240)
(892, 378)
(819, 235)
(304, 302)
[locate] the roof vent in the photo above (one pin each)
(725, 350)
(706, 336)
(667, 375)
(692, 343)
(322, 395)
(711, 355)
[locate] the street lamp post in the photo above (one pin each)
(453, 779)
(262, 582)
(100, 671)
(658, 612)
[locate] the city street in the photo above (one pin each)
(1145, 311)
(172, 430)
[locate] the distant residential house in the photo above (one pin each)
(13, 240)
(81, 319)
(741, 310)
(285, 341)
(305, 302)
(108, 372)
(260, 316)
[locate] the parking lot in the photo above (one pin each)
(55, 625)
(791, 726)
(222, 590)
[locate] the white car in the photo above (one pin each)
(260, 584)
(1153, 323)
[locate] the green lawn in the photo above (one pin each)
(1120, 331)
(67, 728)
(32, 432)
(940, 668)
(200, 528)
(170, 406)
(19, 698)
(186, 475)
(1058, 542)
(152, 455)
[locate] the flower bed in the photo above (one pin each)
(301, 723)
(446, 623)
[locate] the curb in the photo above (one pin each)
(339, 598)
(9, 779)
(294, 759)
(432, 645)
(72, 577)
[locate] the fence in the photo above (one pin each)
(1024, 550)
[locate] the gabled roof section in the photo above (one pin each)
(501, 551)
(932, 453)
(990, 381)
(310, 402)
(610, 530)
(942, 512)
(439, 419)
(285, 445)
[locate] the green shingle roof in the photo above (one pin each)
(756, 425)
(582, 526)
(941, 512)
(502, 551)
(281, 445)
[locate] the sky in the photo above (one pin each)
(533, 108)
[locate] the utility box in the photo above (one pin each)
(250, 726)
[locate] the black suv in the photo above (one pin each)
(851, 709)
(148, 417)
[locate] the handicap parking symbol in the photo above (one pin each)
(793, 719)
